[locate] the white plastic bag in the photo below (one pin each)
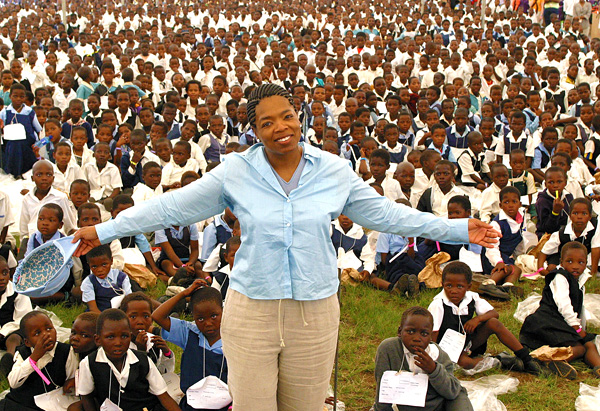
(527, 307)
(340, 405)
(589, 398)
(591, 302)
(483, 391)
(487, 363)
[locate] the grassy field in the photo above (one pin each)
(369, 316)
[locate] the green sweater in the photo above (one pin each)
(444, 391)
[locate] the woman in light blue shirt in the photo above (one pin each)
(281, 315)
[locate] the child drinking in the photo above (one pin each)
(560, 321)
(200, 340)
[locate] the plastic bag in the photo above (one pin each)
(62, 333)
(487, 363)
(589, 398)
(483, 391)
(591, 303)
(328, 407)
(527, 307)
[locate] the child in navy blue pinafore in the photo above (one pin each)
(200, 340)
(17, 154)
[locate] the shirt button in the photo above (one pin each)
(288, 224)
(288, 200)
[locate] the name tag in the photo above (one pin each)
(453, 343)
(14, 132)
(403, 388)
(209, 393)
(108, 405)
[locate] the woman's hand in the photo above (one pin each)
(482, 233)
(89, 239)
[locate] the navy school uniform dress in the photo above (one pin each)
(134, 396)
(18, 156)
(103, 294)
(341, 240)
(180, 247)
(546, 326)
(456, 140)
(399, 157)
(21, 398)
(566, 238)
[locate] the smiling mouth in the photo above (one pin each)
(284, 139)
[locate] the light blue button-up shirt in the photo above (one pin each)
(286, 250)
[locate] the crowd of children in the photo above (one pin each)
(436, 105)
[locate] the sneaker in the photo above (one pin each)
(6, 363)
(510, 362)
(401, 286)
(562, 369)
(533, 367)
(494, 291)
(413, 286)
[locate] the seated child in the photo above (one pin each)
(352, 239)
(490, 204)
(543, 152)
(581, 227)
(172, 172)
(220, 278)
(104, 283)
(438, 138)
(367, 146)
(115, 376)
(65, 171)
(81, 153)
(424, 356)
(560, 320)
(217, 232)
(424, 174)
(397, 150)
(435, 199)
(104, 177)
(552, 205)
(520, 178)
(79, 194)
(453, 309)
(405, 175)
(201, 340)
(54, 359)
(472, 169)
(49, 222)
(563, 160)
(13, 306)
(150, 187)
(164, 150)
(498, 260)
(138, 308)
(133, 162)
(379, 163)
(179, 248)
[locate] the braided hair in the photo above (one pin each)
(261, 92)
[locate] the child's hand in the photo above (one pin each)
(499, 267)
(160, 343)
(122, 141)
(36, 150)
(141, 340)
(195, 285)
(69, 386)
(136, 157)
(480, 187)
(24, 191)
(471, 325)
(424, 138)
(42, 346)
(424, 361)
(557, 206)
(189, 267)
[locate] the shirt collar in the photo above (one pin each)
(582, 278)
(462, 305)
(355, 231)
(569, 228)
(123, 375)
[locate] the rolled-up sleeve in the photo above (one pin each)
(195, 202)
(368, 209)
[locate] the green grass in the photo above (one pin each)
(369, 316)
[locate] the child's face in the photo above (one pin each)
(101, 154)
(587, 114)
(569, 132)
(100, 265)
(438, 137)
(4, 276)
(89, 217)
(500, 177)
(152, 177)
(39, 328)
(391, 137)
(104, 135)
(404, 123)
(344, 123)
(76, 111)
(79, 194)
(43, 176)
(207, 316)
(230, 256)
(180, 155)
(486, 128)
(93, 104)
(574, 261)
(140, 316)
(163, 151)
(82, 336)
(216, 127)
(580, 216)
(517, 163)
(378, 167)
(457, 211)
(455, 286)
(406, 177)
(358, 133)
(53, 132)
(555, 181)
(461, 121)
(550, 140)
(79, 139)
(444, 175)
(114, 338)
(48, 223)
(415, 332)
(62, 155)
(510, 204)
(188, 131)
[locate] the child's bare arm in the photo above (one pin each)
(171, 254)
(161, 314)
(88, 403)
(167, 402)
(195, 253)
(150, 260)
(115, 193)
(93, 307)
(473, 323)
(595, 260)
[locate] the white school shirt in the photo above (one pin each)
(157, 385)
(466, 166)
(87, 287)
(433, 351)
(422, 182)
(22, 307)
(413, 200)
(493, 254)
(529, 149)
(391, 187)
(102, 183)
(490, 203)
(436, 308)
(553, 243)
(560, 293)
(146, 158)
(172, 172)
(580, 172)
(141, 192)
(31, 207)
(439, 200)
(60, 100)
(6, 215)
(204, 141)
(367, 254)
(22, 368)
(196, 153)
(62, 181)
(86, 157)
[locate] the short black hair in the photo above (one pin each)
(100, 251)
(462, 201)
(458, 267)
(570, 246)
(122, 199)
(555, 169)
(136, 296)
(416, 310)
(509, 190)
(206, 294)
(56, 208)
(581, 200)
(26, 318)
(87, 206)
(382, 154)
(148, 166)
(111, 314)
(233, 241)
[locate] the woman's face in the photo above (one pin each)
(277, 125)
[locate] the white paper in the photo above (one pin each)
(403, 388)
(209, 393)
(149, 343)
(54, 400)
(348, 260)
(133, 255)
(14, 132)
(104, 102)
(108, 405)
(471, 259)
(115, 302)
(453, 344)
(172, 380)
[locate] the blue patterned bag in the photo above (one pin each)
(46, 269)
